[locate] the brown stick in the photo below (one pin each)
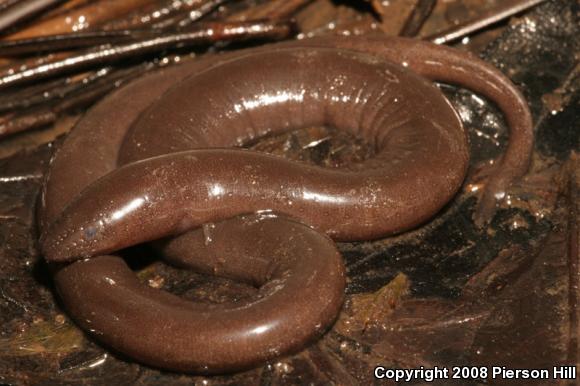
(87, 16)
(82, 96)
(48, 92)
(274, 10)
(209, 33)
(23, 10)
(193, 15)
(417, 18)
(70, 41)
(489, 18)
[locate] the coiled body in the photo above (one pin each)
(161, 157)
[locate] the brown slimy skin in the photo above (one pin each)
(293, 266)
(348, 83)
(169, 194)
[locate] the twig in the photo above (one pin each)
(17, 12)
(193, 15)
(70, 41)
(488, 19)
(82, 96)
(47, 92)
(273, 10)
(206, 34)
(417, 18)
(88, 16)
